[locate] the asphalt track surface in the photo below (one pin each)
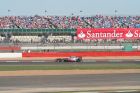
(52, 62)
(70, 81)
(9, 83)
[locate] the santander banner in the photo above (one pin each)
(108, 33)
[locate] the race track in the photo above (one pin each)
(52, 62)
(14, 83)
(68, 81)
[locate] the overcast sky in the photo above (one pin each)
(67, 7)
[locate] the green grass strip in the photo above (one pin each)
(69, 67)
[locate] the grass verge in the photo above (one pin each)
(69, 67)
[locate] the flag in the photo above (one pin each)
(45, 11)
(9, 10)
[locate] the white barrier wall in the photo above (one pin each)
(72, 47)
(10, 55)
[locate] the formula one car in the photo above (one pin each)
(70, 59)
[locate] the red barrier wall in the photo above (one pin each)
(83, 54)
(9, 48)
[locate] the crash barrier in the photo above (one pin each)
(67, 54)
(10, 55)
(76, 47)
(18, 48)
(72, 47)
(15, 48)
(83, 54)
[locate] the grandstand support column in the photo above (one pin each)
(81, 11)
(72, 14)
(72, 38)
(9, 12)
(54, 47)
(45, 12)
(7, 37)
(115, 12)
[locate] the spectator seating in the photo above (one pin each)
(68, 22)
(59, 38)
(27, 39)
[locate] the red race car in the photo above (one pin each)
(70, 59)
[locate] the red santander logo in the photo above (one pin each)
(129, 34)
(81, 35)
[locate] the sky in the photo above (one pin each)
(69, 7)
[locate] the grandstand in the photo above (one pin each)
(68, 22)
(56, 31)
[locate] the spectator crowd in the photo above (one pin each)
(68, 22)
